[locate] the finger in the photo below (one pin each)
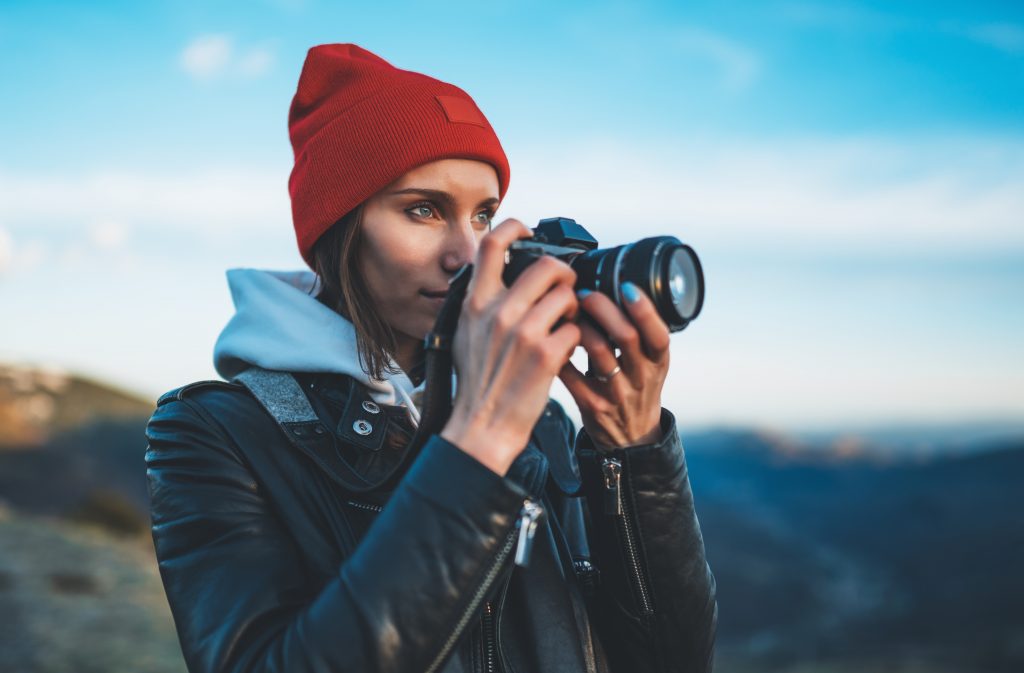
(654, 333)
(538, 278)
(560, 302)
(490, 257)
(564, 341)
(600, 350)
(579, 386)
(620, 330)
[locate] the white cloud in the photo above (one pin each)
(211, 56)
(224, 198)
(25, 256)
(108, 234)
(1005, 37)
(206, 56)
(928, 194)
(256, 61)
(29, 255)
(871, 195)
(646, 40)
(6, 250)
(127, 219)
(737, 64)
(844, 16)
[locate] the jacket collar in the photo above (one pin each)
(549, 450)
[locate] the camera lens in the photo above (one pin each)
(668, 271)
(677, 279)
(663, 267)
(685, 283)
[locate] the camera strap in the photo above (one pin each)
(437, 394)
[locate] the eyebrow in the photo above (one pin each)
(441, 196)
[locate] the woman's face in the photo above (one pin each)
(417, 232)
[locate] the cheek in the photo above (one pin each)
(394, 264)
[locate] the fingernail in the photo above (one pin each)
(582, 294)
(630, 292)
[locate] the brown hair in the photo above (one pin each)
(336, 264)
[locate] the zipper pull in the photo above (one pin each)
(612, 469)
(528, 518)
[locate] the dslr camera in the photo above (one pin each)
(663, 267)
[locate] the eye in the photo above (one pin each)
(486, 217)
(424, 209)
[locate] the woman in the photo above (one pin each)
(510, 543)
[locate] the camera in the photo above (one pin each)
(663, 267)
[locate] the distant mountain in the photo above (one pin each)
(921, 439)
(833, 557)
(37, 404)
(70, 446)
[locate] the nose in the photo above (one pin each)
(460, 246)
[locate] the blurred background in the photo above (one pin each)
(851, 399)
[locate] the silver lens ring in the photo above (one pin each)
(597, 273)
(615, 273)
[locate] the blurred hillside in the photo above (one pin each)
(66, 442)
(888, 563)
(79, 587)
(38, 404)
(830, 556)
(76, 599)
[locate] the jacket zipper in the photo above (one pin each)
(529, 517)
(526, 527)
(618, 507)
(502, 662)
(490, 644)
(366, 506)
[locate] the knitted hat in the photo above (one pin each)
(357, 124)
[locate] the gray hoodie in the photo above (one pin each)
(280, 325)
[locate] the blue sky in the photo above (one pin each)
(851, 173)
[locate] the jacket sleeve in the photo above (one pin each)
(235, 579)
(655, 606)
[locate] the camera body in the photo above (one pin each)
(662, 267)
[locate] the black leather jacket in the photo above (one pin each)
(270, 565)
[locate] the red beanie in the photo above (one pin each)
(357, 124)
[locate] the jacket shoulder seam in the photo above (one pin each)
(196, 408)
(180, 392)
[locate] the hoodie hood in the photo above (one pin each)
(280, 325)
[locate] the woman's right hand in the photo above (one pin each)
(506, 355)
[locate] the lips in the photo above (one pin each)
(434, 294)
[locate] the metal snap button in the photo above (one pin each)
(319, 429)
(362, 427)
(371, 407)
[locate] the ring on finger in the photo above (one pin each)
(608, 377)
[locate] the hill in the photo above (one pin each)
(823, 556)
(37, 404)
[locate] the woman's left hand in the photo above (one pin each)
(625, 409)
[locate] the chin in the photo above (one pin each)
(417, 332)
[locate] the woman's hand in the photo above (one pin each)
(625, 410)
(506, 355)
